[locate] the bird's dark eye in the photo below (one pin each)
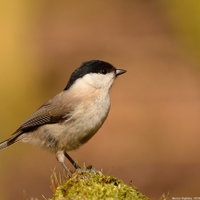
(103, 71)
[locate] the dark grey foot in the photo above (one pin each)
(88, 169)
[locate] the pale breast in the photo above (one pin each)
(69, 135)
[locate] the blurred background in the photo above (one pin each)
(152, 134)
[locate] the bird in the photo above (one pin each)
(73, 116)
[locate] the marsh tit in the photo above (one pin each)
(73, 116)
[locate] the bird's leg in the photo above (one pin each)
(60, 157)
(78, 168)
(72, 161)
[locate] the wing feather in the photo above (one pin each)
(51, 112)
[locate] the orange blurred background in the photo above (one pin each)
(152, 134)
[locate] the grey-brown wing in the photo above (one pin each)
(51, 112)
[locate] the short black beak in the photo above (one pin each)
(120, 71)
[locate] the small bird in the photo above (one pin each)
(73, 116)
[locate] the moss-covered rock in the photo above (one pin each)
(94, 186)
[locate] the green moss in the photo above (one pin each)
(90, 185)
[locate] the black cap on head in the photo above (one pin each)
(92, 66)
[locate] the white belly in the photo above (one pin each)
(71, 134)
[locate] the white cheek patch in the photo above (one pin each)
(99, 80)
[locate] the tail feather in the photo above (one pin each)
(4, 144)
(15, 138)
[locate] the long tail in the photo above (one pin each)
(12, 140)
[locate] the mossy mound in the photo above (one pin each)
(94, 186)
